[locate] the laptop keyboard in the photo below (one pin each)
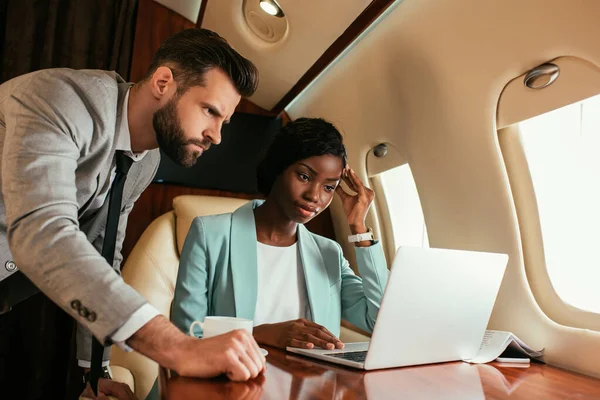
(357, 356)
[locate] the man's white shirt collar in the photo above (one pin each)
(123, 138)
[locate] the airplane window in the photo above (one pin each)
(408, 224)
(562, 150)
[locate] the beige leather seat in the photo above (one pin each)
(151, 269)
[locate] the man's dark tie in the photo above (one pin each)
(123, 163)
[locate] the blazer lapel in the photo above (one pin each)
(315, 274)
(103, 179)
(243, 260)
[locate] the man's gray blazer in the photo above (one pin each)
(57, 135)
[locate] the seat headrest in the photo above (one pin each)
(188, 207)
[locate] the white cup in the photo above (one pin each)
(213, 326)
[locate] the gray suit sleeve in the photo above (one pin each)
(84, 337)
(44, 131)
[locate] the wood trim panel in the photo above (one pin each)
(154, 24)
(248, 107)
(157, 200)
(354, 328)
(362, 22)
(201, 13)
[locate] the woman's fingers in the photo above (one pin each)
(300, 344)
(309, 341)
(342, 193)
(307, 334)
(317, 341)
(349, 182)
(363, 192)
(320, 327)
(356, 182)
(320, 336)
(327, 337)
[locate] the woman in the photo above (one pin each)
(261, 263)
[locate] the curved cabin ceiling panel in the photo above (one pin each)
(312, 26)
(427, 78)
(186, 8)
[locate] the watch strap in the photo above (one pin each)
(359, 237)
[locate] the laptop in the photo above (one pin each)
(435, 308)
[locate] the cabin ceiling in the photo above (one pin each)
(312, 26)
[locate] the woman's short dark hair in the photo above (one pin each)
(193, 52)
(298, 140)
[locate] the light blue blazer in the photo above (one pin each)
(218, 274)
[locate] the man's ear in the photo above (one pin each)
(162, 83)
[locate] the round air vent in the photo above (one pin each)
(269, 28)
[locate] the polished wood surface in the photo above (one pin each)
(362, 22)
(295, 377)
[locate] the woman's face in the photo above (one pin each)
(304, 189)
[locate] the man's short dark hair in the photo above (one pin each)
(193, 52)
(298, 140)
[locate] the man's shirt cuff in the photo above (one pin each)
(88, 364)
(139, 318)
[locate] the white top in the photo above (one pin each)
(281, 292)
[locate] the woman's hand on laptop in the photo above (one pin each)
(297, 333)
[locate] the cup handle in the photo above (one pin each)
(193, 325)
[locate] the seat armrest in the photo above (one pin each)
(123, 375)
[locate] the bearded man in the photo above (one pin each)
(64, 134)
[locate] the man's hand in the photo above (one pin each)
(297, 333)
(234, 354)
(107, 387)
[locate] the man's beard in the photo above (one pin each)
(170, 136)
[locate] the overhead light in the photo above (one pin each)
(271, 7)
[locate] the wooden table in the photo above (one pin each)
(295, 377)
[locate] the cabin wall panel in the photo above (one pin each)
(428, 78)
(155, 23)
